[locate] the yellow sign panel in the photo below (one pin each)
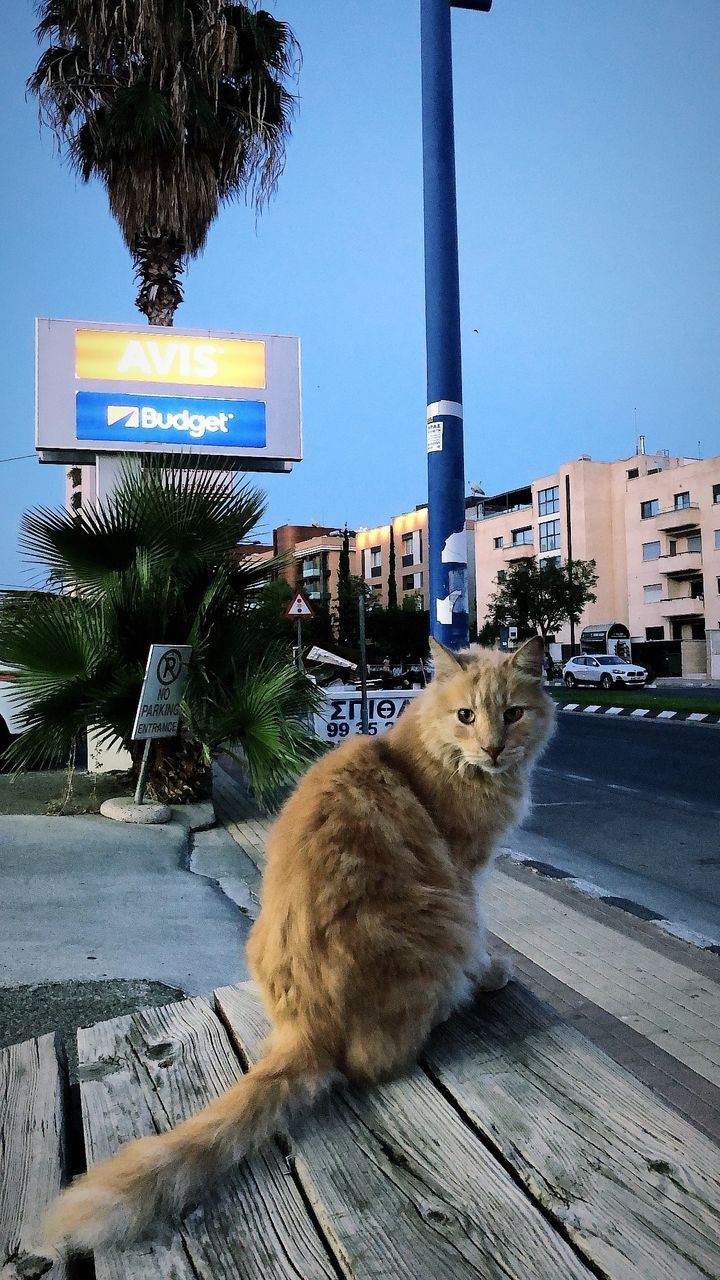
(144, 357)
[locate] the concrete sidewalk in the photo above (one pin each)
(651, 1001)
(99, 918)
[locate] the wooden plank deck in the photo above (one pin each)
(32, 1154)
(516, 1151)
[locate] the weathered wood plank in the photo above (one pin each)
(141, 1074)
(635, 1186)
(32, 1154)
(403, 1188)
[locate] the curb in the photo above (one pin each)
(673, 927)
(641, 713)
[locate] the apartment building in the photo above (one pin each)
(651, 522)
(315, 564)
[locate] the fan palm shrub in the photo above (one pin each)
(157, 563)
(177, 106)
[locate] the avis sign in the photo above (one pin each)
(158, 713)
(230, 399)
(340, 718)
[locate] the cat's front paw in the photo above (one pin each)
(496, 974)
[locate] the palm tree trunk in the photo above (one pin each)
(158, 261)
(178, 772)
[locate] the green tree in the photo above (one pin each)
(177, 106)
(346, 596)
(542, 598)
(156, 563)
(392, 581)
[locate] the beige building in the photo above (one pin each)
(409, 532)
(651, 522)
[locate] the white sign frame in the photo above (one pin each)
(56, 388)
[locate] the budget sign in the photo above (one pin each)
(230, 400)
(169, 418)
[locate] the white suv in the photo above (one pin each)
(602, 669)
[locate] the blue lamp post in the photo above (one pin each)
(447, 551)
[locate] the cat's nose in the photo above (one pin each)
(493, 753)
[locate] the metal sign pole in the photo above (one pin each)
(364, 718)
(140, 788)
(299, 645)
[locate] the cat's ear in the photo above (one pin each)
(445, 661)
(528, 659)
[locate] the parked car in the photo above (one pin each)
(603, 669)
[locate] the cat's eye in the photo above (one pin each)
(513, 714)
(466, 715)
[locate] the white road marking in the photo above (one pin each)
(614, 711)
(666, 715)
(592, 707)
(697, 715)
(569, 706)
(640, 711)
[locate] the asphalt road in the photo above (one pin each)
(634, 808)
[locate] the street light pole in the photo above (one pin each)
(447, 551)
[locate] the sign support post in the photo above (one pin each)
(140, 788)
(364, 718)
(299, 608)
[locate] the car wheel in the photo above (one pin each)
(570, 680)
(606, 682)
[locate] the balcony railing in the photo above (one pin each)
(684, 564)
(683, 607)
(669, 518)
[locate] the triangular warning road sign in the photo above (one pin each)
(299, 607)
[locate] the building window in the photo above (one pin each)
(718, 586)
(497, 543)
(650, 508)
(408, 554)
(550, 536)
(501, 575)
(412, 581)
(550, 562)
(697, 630)
(633, 473)
(694, 542)
(716, 493)
(652, 592)
(697, 589)
(376, 558)
(549, 501)
(682, 500)
(522, 537)
(654, 633)
(651, 550)
(717, 539)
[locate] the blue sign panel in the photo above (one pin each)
(169, 420)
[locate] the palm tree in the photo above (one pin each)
(177, 106)
(159, 562)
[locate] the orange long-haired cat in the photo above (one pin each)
(370, 932)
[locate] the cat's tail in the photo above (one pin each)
(150, 1178)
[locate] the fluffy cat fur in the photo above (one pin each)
(369, 934)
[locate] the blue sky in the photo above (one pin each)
(589, 208)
